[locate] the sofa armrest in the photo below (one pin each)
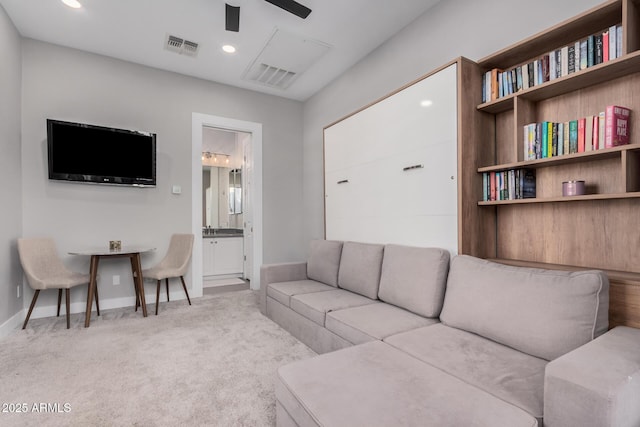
(275, 273)
(597, 384)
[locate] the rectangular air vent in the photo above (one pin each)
(283, 59)
(181, 46)
(271, 76)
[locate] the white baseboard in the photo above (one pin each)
(13, 323)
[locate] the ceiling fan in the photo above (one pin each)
(232, 13)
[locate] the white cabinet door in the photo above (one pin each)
(391, 168)
(207, 257)
(227, 255)
(222, 256)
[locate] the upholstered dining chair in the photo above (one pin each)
(174, 264)
(45, 270)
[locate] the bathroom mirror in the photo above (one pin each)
(221, 197)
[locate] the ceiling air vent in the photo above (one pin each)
(181, 46)
(283, 59)
(271, 76)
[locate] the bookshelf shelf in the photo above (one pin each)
(613, 196)
(594, 75)
(596, 230)
(562, 160)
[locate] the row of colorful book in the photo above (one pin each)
(511, 184)
(607, 129)
(585, 53)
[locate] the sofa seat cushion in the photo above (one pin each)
(511, 375)
(414, 278)
(314, 306)
(373, 322)
(283, 291)
(374, 384)
(545, 313)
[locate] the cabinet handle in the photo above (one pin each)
(408, 168)
(344, 181)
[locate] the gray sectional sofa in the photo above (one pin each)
(408, 336)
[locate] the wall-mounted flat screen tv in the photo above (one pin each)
(101, 155)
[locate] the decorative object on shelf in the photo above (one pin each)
(115, 245)
(573, 188)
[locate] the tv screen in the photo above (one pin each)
(102, 155)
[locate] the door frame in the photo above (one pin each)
(198, 121)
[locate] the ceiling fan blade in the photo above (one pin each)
(292, 7)
(232, 17)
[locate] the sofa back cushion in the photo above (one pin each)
(414, 278)
(324, 261)
(544, 313)
(360, 268)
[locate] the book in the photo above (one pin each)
(544, 140)
(552, 65)
(536, 72)
(605, 46)
(565, 128)
(550, 139)
(619, 51)
(560, 128)
(581, 134)
(545, 68)
(530, 67)
(525, 76)
(616, 126)
(583, 54)
(492, 185)
(554, 139)
(601, 130)
(538, 140)
(558, 58)
(494, 84)
(485, 186)
(571, 59)
(528, 183)
(564, 61)
(598, 54)
(573, 136)
(591, 50)
(596, 132)
(612, 43)
(577, 53)
(588, 133)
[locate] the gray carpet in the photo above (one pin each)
(212, 364)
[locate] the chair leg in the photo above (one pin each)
(67, 299)
(33, 303)
(97, 303)
(167, 282)
(157, 296)
(185, 290)
(59, 301)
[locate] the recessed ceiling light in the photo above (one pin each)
(228, 48)
(426, 103)
(72, 3)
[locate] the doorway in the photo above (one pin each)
(247, 191)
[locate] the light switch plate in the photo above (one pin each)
(176, 189)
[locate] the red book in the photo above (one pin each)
(492, 186)
(582, 124)
(616, 126)
(605, 46)
(596, 131)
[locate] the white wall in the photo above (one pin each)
(72, 85)
(452, 28)
(10, 190)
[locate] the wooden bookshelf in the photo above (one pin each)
(597, 230)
